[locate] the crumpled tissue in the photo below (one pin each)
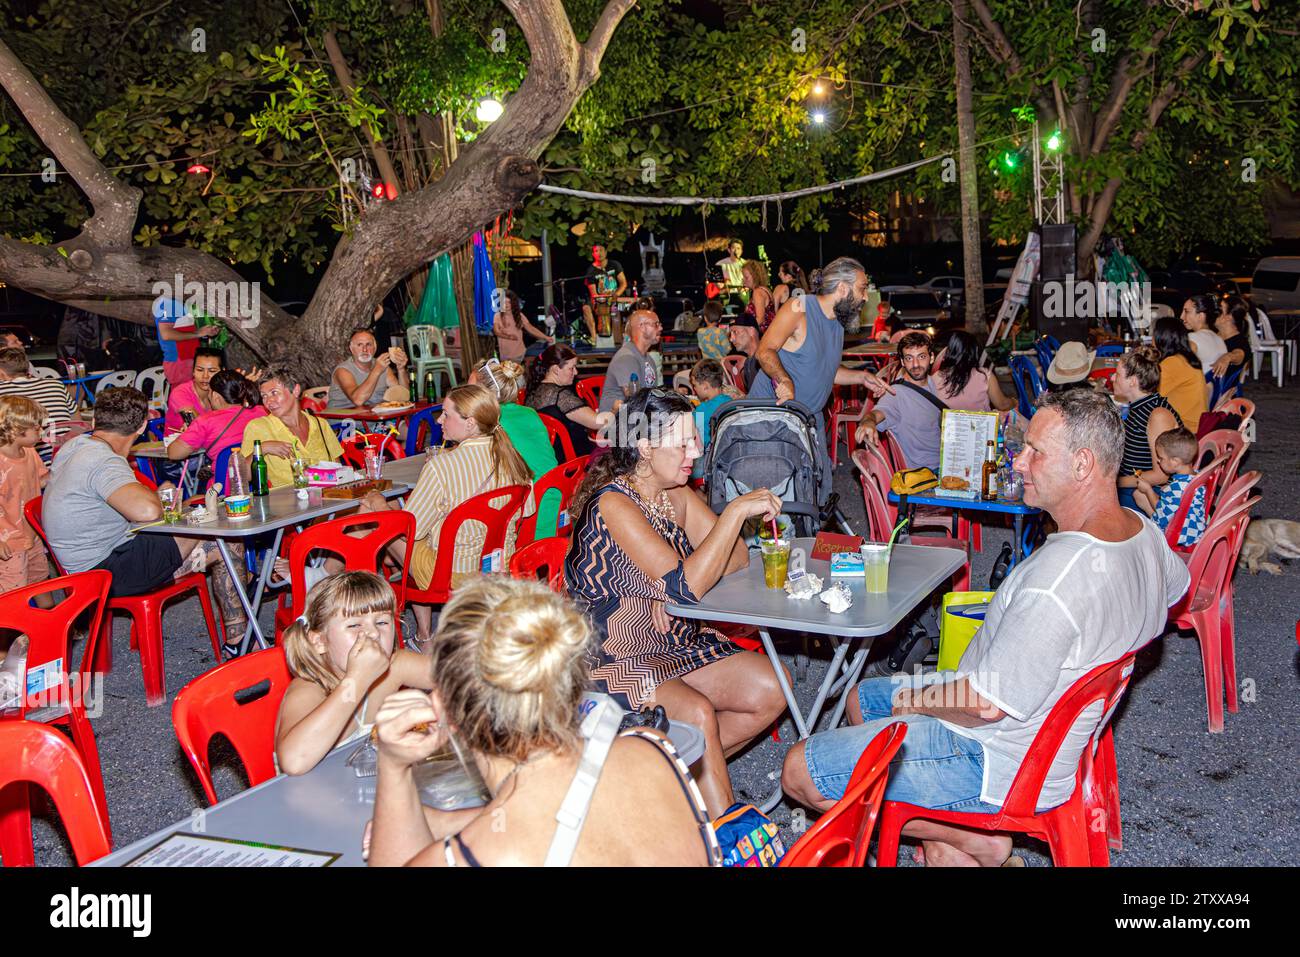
(837, 598)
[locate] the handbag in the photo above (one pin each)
(913, 481)
(748, 838)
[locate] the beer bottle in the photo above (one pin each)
(989, 474)
(260, 484)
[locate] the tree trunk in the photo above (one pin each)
(968, 172)
(101, 271)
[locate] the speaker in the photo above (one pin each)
(1058, 252)
(1062, 328)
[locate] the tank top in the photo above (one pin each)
(812, 368)
(1137, 450)
(339, 399)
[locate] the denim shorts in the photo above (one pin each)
(935, 767)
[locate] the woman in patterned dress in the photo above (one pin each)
(644, 537)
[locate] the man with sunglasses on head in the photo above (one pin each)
(632, 369)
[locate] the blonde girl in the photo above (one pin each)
(341, 655)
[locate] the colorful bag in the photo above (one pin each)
(913, 481)
(748, 838)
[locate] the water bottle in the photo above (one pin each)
(632, 385)
(235, 476)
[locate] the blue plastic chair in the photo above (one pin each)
(1046, 347)
(1028, 386)
(154, 428)
(1112, 350)
(1221, 386)
(426, 420)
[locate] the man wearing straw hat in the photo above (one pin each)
(1070, 367)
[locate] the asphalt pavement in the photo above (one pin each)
(1188, 797)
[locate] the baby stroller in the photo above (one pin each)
(758, 444)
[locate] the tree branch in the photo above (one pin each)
(1005, 52)
(387, 172)
(114, 203)
(594, 49)
(1127, 72)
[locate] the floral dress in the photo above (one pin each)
(632, 657)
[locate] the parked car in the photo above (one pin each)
(952, 288)
(1276, 284)
(917, 308)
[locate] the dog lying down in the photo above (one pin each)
(1264, 535)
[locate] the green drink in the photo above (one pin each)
(776, 562)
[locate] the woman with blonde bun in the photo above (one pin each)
(509, 667)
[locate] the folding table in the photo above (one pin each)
(744, 598)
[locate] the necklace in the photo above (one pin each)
(661, 507)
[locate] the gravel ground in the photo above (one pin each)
(1188, 797)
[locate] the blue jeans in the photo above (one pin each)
(1127, 499)
(935, 767)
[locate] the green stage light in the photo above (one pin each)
(1054, 141)
(1010, 159)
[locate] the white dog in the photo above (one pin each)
(1264, 535)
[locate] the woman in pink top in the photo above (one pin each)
(509, 325)
(194, 396)
(961, 384)
(234, 404)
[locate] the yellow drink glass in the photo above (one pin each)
(776, 562)
(875, 567)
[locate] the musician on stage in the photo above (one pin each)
(604, 278)
(733, 282)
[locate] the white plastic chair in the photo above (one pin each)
(1268, 338)
(45, 372)
(116, 380)
(1266, 344)
(153, 383)
(426, 347)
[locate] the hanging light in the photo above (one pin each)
(818, 88)
(818, 117)
(489, 110)
(198, 169)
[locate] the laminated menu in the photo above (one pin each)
(198, 850)
(963, 440)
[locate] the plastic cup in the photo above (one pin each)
(171, 504)
(315, 496)
(237, 506)
(875, 567)
(776, 562)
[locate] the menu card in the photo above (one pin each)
(197, 850)
(963, 442)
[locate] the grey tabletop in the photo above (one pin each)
(743, 598)
(404, 471)
(278, 509)
(325, 810)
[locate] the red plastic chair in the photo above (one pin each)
(1207, 606)
(841, 836)
(49, 632)
(556, 432)
(354, 449)
(589, 390)
(363, 552)
(565, 479)
(1105, 375)
(146, 619)
(496, 519)
(1240, 407)
(891, 454)
(1065, 828)
(845, 413)
(1229, 442)
(1237, 492)
(32, 754)
(1207, 478)
(734, 366)
(225, 701)
(544, 556)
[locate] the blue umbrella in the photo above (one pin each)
(484, 284)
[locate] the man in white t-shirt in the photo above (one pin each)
(1096, 590)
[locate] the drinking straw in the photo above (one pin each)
(776, 535)
(897, 528)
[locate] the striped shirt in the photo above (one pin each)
(448, 479)
(1137, 448)
(52, 396)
